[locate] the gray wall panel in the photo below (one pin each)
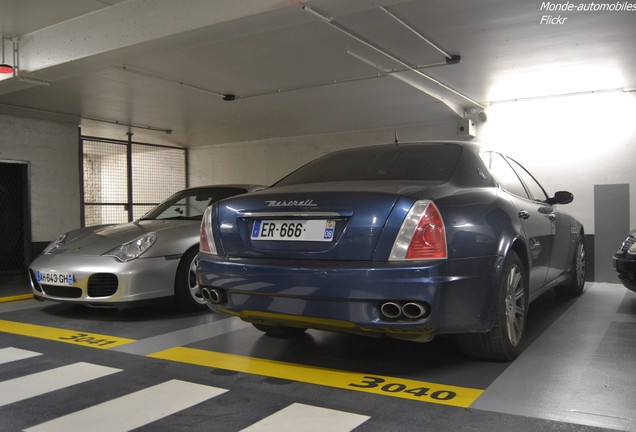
(611, 226)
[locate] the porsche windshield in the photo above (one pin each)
(190, 204)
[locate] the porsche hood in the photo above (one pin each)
(97, 240)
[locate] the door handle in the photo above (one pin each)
(523, 214)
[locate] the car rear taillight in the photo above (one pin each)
(422, 235)
(206, 244)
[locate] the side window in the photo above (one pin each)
(504, 173)
(537, 192)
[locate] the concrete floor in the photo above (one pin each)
(65, 367)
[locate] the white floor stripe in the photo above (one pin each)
(12, 354)
(18, 389)
(133, 410)
(183, 337)
(306, 418)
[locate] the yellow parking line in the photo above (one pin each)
(377, 384)
(93, 340)
(16, 298)
(369, 383)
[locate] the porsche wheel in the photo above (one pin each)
(187, 291)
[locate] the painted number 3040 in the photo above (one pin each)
(372, 382)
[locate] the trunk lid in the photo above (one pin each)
(328, 221)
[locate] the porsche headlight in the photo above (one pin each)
(133, 249)
(59, 241)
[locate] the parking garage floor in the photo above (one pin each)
(66, 367)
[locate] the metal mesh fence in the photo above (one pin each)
(105, 182)
(157, 172)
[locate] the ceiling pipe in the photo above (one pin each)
(331, 21)
(399, 74)
(450, 58)
(74, 117)
(232, 96)
(174, 81)
(128, 124)
(395, 72)
(560, 95)
(31, 80)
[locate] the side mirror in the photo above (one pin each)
(561, 197)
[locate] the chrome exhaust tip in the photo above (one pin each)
(217, 296)
(413, 310)
(205, 293)
(213, 295)
(391, 310)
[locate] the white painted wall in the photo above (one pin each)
(571, 143)
(51, 149)
(266, 161)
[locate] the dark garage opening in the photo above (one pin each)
(15, 231)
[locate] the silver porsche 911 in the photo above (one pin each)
(121, 265)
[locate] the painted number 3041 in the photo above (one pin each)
(372, 382)
(84, 338)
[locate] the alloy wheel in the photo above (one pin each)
(515, 304)
(193, 285)
(580, 264)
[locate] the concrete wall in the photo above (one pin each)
(51, 150)
(266, 161)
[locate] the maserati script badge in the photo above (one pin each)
(293, 203)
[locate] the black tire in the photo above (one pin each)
(576, 282)
(280, 331)
(504, 341)
(186, 289)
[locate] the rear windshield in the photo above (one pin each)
(429, 162)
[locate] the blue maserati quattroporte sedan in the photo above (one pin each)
(404, 240)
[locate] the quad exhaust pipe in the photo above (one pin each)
(410, 310)
(214, 295)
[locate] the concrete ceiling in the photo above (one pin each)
(164, 69)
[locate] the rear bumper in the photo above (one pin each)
(346, 296)
(625, 266)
